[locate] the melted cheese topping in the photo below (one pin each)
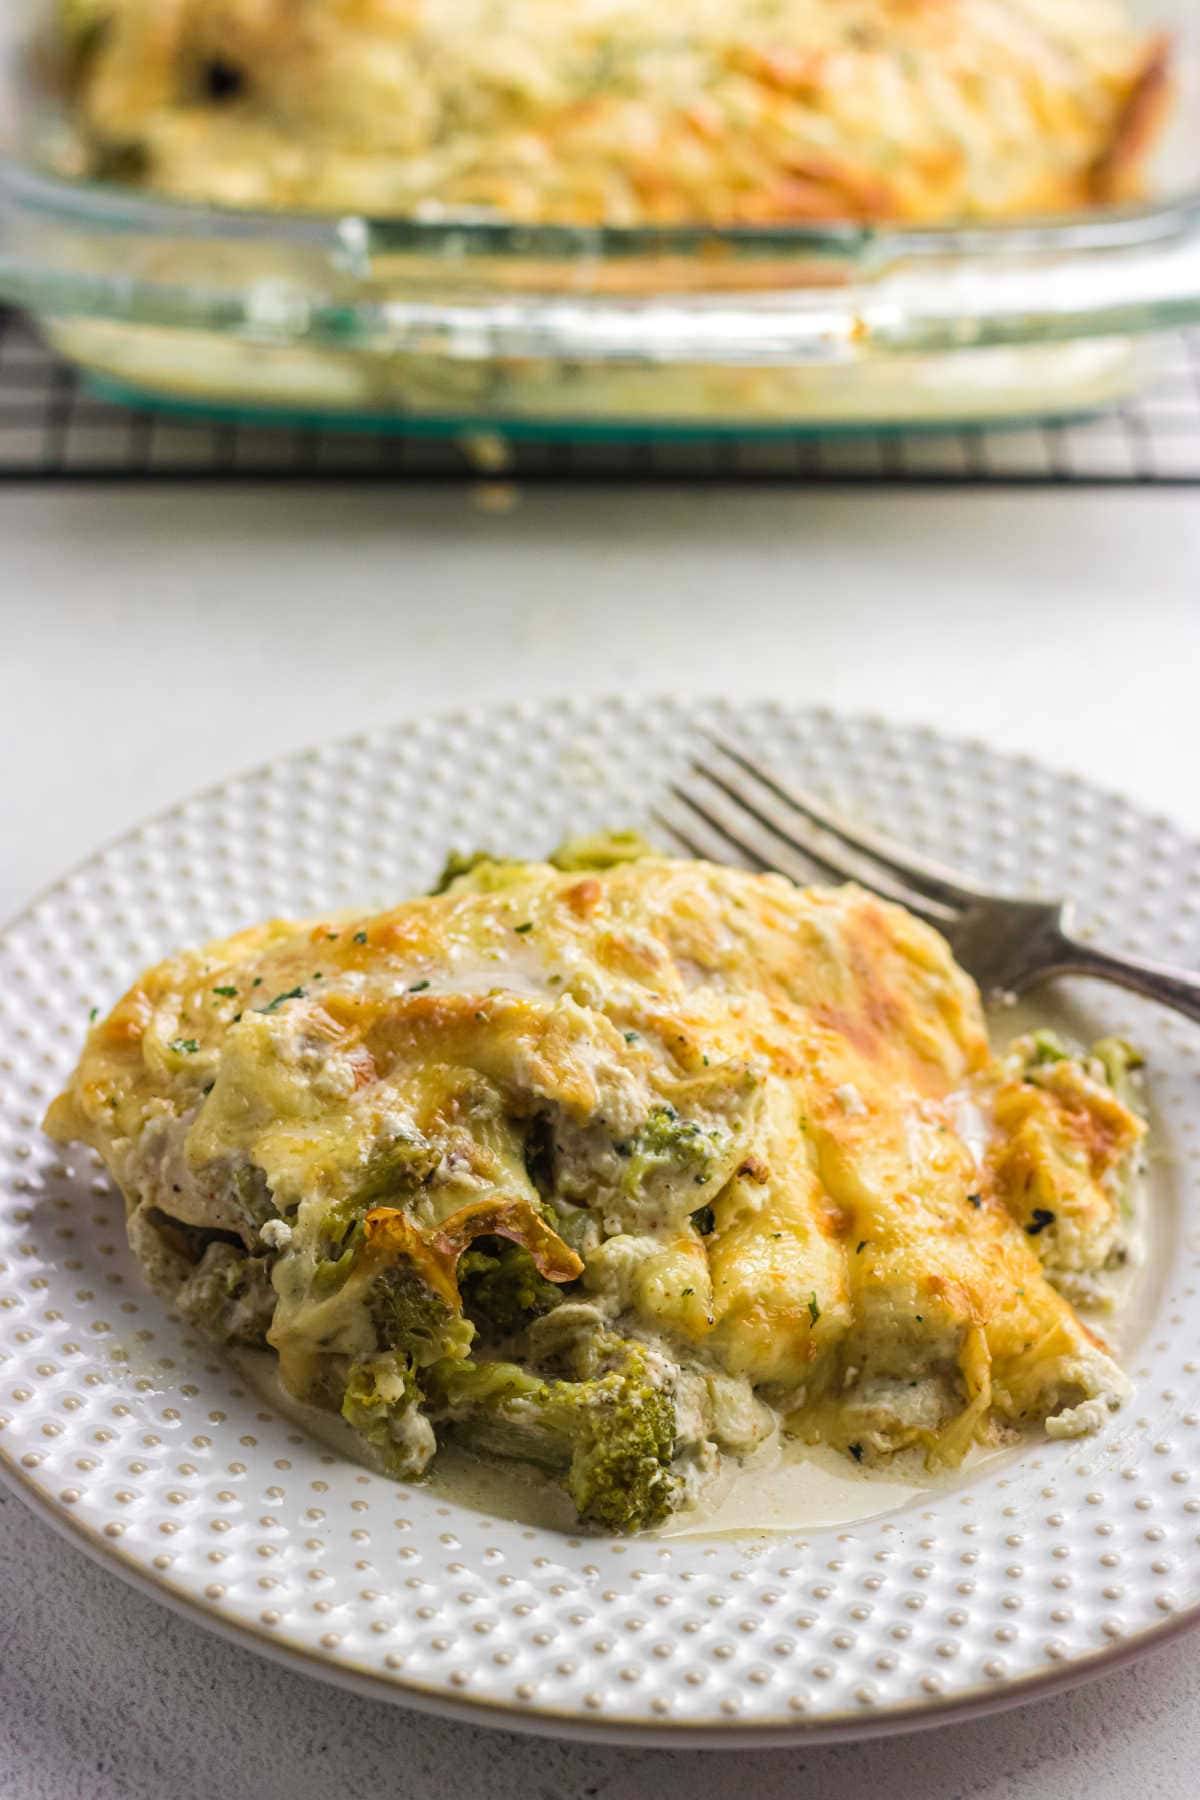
(768, 1121)
(732, 111)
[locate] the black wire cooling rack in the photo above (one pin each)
(54, 428)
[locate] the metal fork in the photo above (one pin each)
(1007, 945)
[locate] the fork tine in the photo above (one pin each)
(727, 837)
(690, 844)
(844, 865)
(921, 872)
(792, 858)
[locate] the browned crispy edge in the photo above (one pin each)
(1116, 174)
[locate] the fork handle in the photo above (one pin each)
(1170, 987)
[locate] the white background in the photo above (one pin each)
(155, 640)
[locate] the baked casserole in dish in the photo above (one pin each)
(582, 214)
(606, 112)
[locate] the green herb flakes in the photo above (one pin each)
(296, 993)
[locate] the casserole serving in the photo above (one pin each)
(621, 1166)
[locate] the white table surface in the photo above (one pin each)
(155, 640)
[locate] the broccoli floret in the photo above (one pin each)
(411, 1318)
(409, 1314)
(329, 1275)
(383, 1404)
(1118, 1059)
(1048, 1047)
(608, 1438)
(538, 1153)
(392, 1166)
(81, 15)
(501, 1287)
(456, 866)
(1111, 1060)
(400, 1163)
(600, 850)
(480, 872)
(83, 24)
(667, 1141)
(486, 873)
(229, 1296)
(253, 1197)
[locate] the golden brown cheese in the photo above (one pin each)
(1061, 1155)
(740, 1102)
(590, 111)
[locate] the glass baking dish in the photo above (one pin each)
(578, 330)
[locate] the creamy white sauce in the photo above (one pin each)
(259, 1369)
(788, 1486)
(970, 1122)
(481, 978)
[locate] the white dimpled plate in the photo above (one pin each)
(130, 1433)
